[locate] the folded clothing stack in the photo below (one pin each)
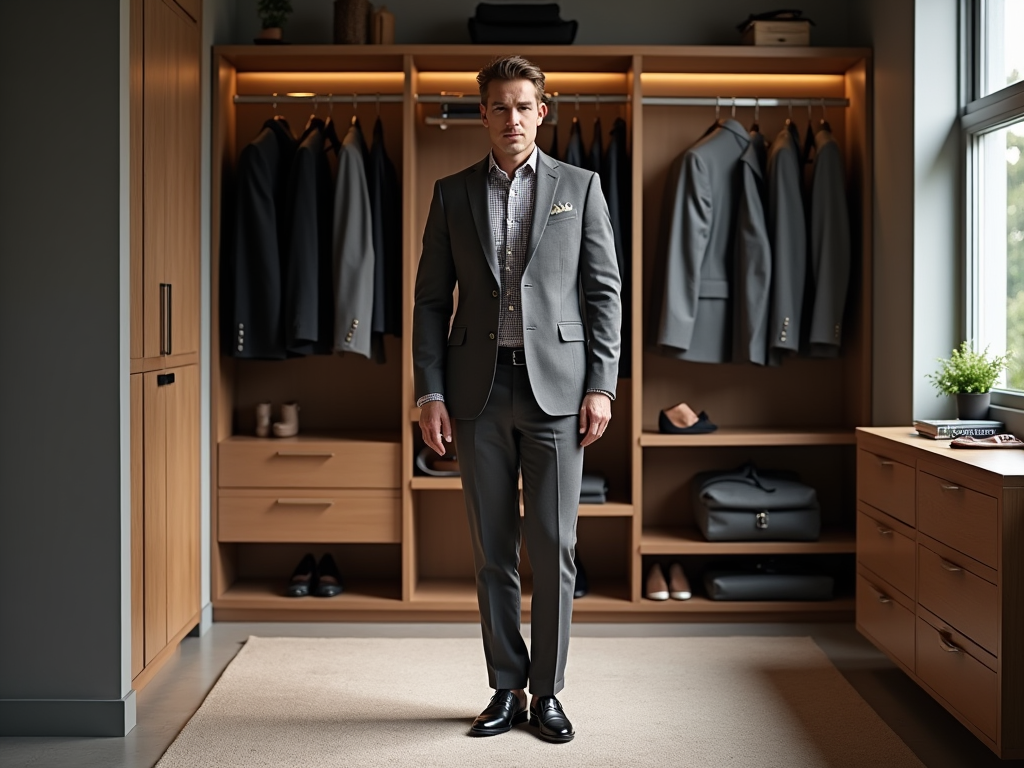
(523, 23)
(593, 489)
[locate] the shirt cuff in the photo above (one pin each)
(603, 392)
(432, 397)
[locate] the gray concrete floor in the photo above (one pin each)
(167, 703)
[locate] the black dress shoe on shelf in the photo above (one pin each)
(304, 578)
(701, 426)
(329, 582)
(504, 711)
(582, 585)
(547, 713)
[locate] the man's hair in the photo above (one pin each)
(510, 68)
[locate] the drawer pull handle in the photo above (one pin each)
(307, 454)
(948, 566)
(306, 502)
(884, 463)
(951, 487)
(883, 598)
(884, 531)
(948, 646)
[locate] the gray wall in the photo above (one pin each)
(63, 342)
(652, 22)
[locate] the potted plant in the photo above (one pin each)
(969, 375)
(273, 14)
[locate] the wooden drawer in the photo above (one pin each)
(309, 516)
(251, 462)
(888, 623)
(959, 517)
(886, 484)
(885, 551)
(954, 594)
(969, 686)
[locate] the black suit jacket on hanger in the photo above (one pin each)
(386, 213)
(251, 270)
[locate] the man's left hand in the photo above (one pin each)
(595, 414)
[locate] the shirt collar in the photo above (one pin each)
(530, 163)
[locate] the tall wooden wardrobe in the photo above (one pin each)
(165, 265)
(347, 485)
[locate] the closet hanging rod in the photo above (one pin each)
(742, 101)
(320, 98)
(563, 98)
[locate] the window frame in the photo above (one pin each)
(980, 116)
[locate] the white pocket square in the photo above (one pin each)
(558, 208)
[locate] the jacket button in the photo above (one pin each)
(494, 294)
(490, 335)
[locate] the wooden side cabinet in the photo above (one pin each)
(940, 582)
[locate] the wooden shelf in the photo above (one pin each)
(323, 436)
(699, 604)
(460, 595)
(690, 541)
(739, 436)
(359, 595)
(608, 509)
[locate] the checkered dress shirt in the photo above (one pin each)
(510, 208)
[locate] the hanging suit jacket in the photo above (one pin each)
(694, 318)
(616, 179)
(574, 154)
(354, 263)
(386, 215)
(252, 317)
(787, 233)
(830, 247)
(595, 156)
(309, 294)
(752, 273)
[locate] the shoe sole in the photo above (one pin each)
(657, 595)
(535, 722)
(516, 720)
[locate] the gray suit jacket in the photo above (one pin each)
(705, 190)
(787, 232)
(830, 247)
(752, 274)
(570, 293)
(353, 249)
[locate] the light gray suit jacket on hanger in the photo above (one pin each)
(705, 190)
(570, 293)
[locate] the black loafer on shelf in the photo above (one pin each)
(329, 584)
(582, 584)
(702, 426)
(304, 578)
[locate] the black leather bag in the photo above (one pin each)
(521, 23)
(747, 505)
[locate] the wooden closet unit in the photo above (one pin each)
(800, 416)
(165, 102)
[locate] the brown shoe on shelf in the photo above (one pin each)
(263, 420)
(678, 585)
(656, 586)
(288, 426)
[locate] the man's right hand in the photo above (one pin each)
(435, 425)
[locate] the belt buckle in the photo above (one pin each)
(518, 357)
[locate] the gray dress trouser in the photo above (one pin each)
(511, 433)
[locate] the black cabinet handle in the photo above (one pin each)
(165, 318)
(164, 379)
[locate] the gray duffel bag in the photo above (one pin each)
(747, 505)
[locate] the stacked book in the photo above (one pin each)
(947, 429)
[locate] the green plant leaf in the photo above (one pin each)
(968, 371)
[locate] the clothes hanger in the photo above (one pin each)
(756, 125)
(809, 135)
(355, 103)
(279, 119)
(330, 131)
(824, 118)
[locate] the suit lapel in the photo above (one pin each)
(476, 187)
(547, 186)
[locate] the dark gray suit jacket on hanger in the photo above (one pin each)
(570, 348)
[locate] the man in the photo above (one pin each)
(527, 373)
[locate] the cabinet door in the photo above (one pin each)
(154, 515)
(138, 507)
(182, 510)
(170, 208)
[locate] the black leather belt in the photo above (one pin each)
(511, 356)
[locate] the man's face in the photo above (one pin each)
(512, 115)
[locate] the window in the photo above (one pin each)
(993, 126)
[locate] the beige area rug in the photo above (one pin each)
(699, 701)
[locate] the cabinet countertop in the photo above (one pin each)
(1006, 464)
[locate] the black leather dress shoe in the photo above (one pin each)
(329, 581)
(554, 725)
(303, 579)
(504, 711)
(582, 584)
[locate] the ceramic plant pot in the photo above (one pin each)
(973, 406)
